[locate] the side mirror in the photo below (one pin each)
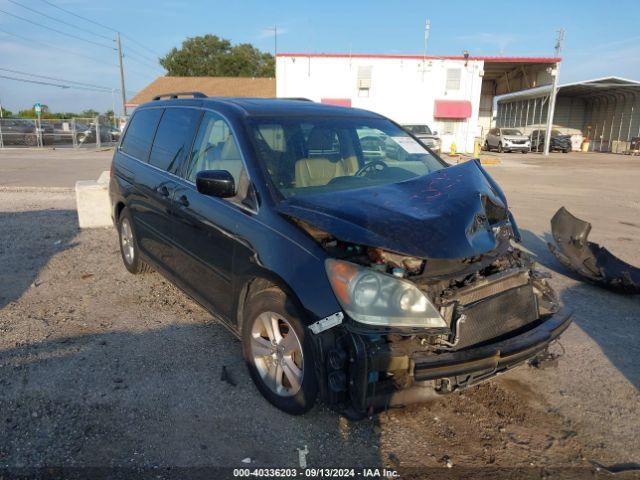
(497, 133)
(215, 183)
(435, 133)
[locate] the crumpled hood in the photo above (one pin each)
(446, 214)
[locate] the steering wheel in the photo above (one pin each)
(373, 166)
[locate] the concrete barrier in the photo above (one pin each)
(92, 199)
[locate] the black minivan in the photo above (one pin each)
(368, 278)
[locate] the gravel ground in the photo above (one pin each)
(102, 368)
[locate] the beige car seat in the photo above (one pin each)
(321, 168)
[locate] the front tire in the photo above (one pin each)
(487, 148)
(279, 352)
(500, 149)
(129, 245)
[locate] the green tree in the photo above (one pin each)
(89, 113)
(211, 56)
(6, 113)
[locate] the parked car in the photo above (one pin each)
(507, 140)
(369, 283)
(19, 131)
(559, 141)
(373, 147)
(87, 134)
(426, 136)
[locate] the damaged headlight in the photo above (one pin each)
(375, 298)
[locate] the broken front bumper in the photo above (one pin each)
(588, 259)
(424, 375)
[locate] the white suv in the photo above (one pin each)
(507, 140)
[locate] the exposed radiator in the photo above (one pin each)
(495, 316)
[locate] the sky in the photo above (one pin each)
(601, 38)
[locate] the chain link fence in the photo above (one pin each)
(93, 132)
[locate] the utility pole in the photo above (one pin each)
(1, 118)
(275, 42)
(122, 90)
(427, 30)
(554, 92)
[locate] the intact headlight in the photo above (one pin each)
(376, 298)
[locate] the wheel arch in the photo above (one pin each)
(258, 282)
(117, 210)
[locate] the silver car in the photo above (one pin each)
(507, 140)
(425, 135)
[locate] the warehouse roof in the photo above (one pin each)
(590, 88)
(211, 86)
(486, 59)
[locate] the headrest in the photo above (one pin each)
(321, 138)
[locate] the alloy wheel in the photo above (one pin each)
(277, 354)
(126, 238)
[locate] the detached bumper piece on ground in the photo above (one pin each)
(588, 259)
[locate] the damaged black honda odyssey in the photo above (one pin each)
(352, 262)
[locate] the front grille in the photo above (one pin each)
(519, 142)
(495, 316)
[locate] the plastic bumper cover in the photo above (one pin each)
(494, 357)
(462, 369)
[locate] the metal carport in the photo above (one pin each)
(606, 111)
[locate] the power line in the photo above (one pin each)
(61, 21)
(57, 31)
(34, 81)
(100, 25)
(142, 46)
(59, 85)
(53, 84)
(129, 55)
(57, 79)
(70, 52)
(141, 55)
(78, 16)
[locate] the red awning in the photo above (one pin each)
(341, 102)
(452, 109)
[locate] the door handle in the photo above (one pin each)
(163, 190)
(183, 201)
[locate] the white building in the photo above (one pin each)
(453, 95)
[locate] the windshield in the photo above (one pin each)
(315, 155)
(511, 131)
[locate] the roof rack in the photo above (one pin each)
(180, 94)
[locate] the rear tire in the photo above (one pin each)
(279, 353)
(129, 245)
(487, 148)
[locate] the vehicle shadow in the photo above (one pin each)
(28, 240)
(537, 245)
(611, 319)
(157, 398)
(130, 392)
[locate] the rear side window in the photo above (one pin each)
(173, 138)
(137, 141)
